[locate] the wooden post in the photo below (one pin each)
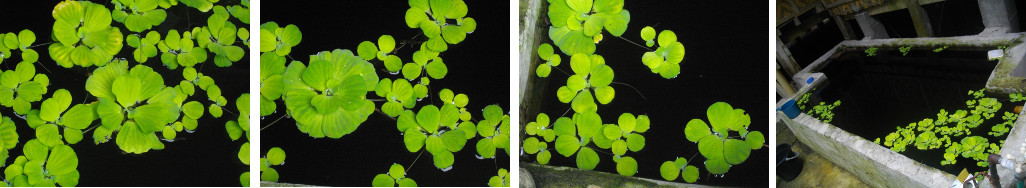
(871, 27)
(846, 30)
(919, 18)
(784, 59)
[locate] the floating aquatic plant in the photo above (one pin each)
(328, 99)
(275, 156)
(577, 23)
(277, 39)
(21, 41)
(545, 51)
(84, 34)
(941, 133)
(43, 165)
(500, 180)
(22, 86)
(135, 103)
(590, 74)
(138, 15)
(715, 142)
(871, 51)
(219, 37)
(666, 59)
(670, 169)
(396, 176)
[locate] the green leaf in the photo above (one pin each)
(367, 50)
(414, 16)
(612, 132)
(581, 64)
(411, 71)
(453, 34)
(397, 171)
(605, 94)
(407, 182)
(711, 147)
(291, 36)
(668, 170)
(443, 159)
(193, 109)
(696, 130)
(55, 105)
(584, 102)
(531, 145)
(428, 118)
(735, 151)
(565, 127)
(486, 148)
(601, 76)
(635, 142)
(126, 89)
(62, 161)
(233, 129)
(544, 156)
(717, 166)
(276, 156)
(611, 6)
(133, 140)
(565, 95)
(581, 6)
(721, 117)
(49, 135)
(435, 145)
(619, 147)
(667, 38)
(593, 25)
(454, 140)
(587, 159)
(627, 166)
(169, 133)
(436, 69)
(690, 174)
(755, 139)
(571, 41)
(545, 51)
(616, 24)
(567, 145)
(272, 175)
(244, 153)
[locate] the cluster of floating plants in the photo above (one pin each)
(576, 29)
(871, 52)
(822, 111)
(129, 102)
(328, 96)
(945, 130)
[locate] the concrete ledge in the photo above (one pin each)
(873, 164)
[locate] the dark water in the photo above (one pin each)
(356, 158)
(206, 157)
(725, 62)
(889, 90)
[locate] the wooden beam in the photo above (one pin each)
(920, 20)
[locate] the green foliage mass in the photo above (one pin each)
(944, 131)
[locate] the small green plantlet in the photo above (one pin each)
(871, 52)
(940, 49)
(825, 112)
(576, 22)
(904, 50)
(1016, 97)
(721, 150)
(670, 169)
(275, 156)
(545, 51)
(396, 176)
(666, 59)
(500, 180)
